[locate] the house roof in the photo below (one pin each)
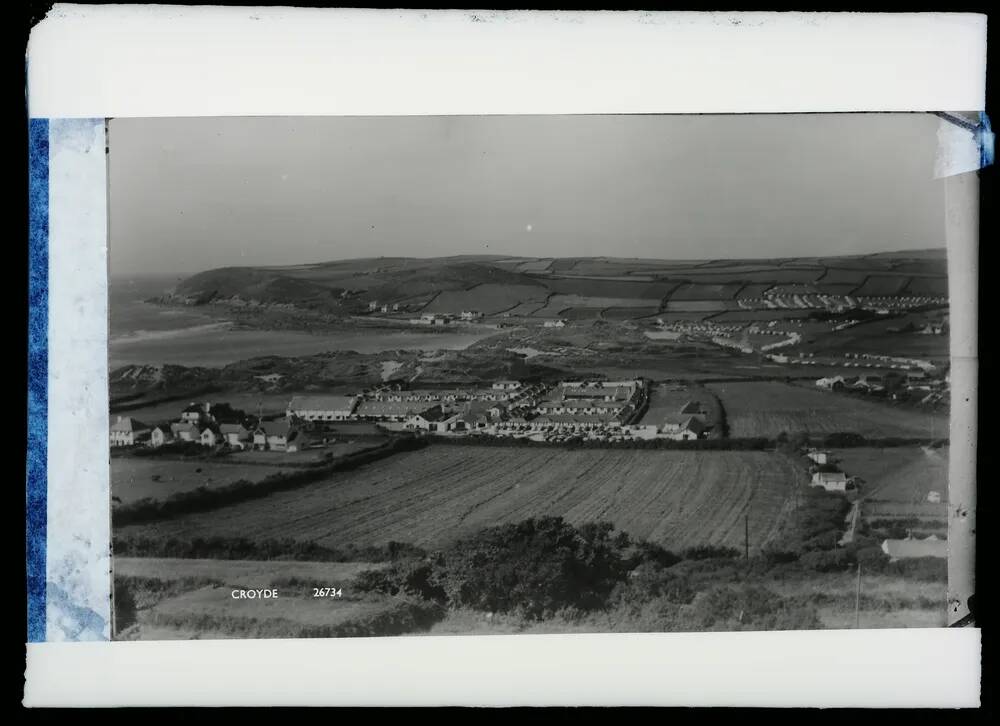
(391, 408)
(181, 427)
(129, 424)
(322, 403)
(831, 476)
(228, 428)
(912, 547)
(281, 427)
(194, 408)
(684, 423)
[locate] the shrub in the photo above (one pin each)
(705, 552)
(534, 567)
(835, 560)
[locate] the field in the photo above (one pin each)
(764, 408)
(241, 573)
(666, 401)
(903, 474)
(132, 476)
(429, 497)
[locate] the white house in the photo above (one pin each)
(559, 323)
(127, 431)
(832, 481)
(323, 408)
(817, 456)
(160, 435)
(934, 497)
(471, 315)
(208, 437)
(683, 429)
(506, 385)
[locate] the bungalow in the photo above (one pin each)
(273, 435)
(322, 408)
(127, 431)
(185, 431)
(208, 437)
(910, 547)
(160, 435)
(506, 385)
(236, 436)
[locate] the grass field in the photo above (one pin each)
(132, 477)
(429, 497)
(765, 408)
(904, 474)
(242, 573)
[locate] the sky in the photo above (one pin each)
(190, 194)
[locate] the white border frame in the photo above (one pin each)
(97, 61)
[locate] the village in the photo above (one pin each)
(582, 410)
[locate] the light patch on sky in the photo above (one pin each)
(196, 193)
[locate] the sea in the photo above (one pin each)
(143, 333)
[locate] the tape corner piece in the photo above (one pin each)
(965, 143)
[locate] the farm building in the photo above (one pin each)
(322, 408)
(127, 431)
(160, 435)
(273, 435)
(236, 436)
(910, 547)
(185, 431)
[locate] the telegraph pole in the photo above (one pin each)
(857, 600)
(746, 535)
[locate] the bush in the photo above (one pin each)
(705, 552)
(836, 560)
(748, 608)
(125, 611)
(535, 567)
(408, 577)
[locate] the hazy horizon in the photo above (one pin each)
(192, 194)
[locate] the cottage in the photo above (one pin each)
(273, 435)
(208, 437)
(160, 435)
(127, 431)
(185, 431)
(554, 323)
(236, 436)
(322, 408)
(471, 315)
(911, 547)
(506, 385)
